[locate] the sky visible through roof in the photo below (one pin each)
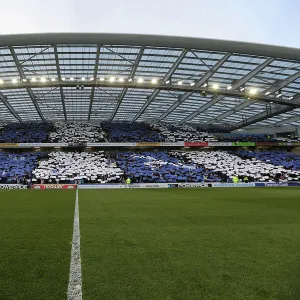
(260, 21)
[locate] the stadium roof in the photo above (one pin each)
(148, 78)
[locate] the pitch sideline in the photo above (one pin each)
(75, 278)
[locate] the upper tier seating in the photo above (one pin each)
(131, 132)
(177, 133)
(277, 158)
(76, 132)
(161, 167)
(230, 165)
(25, 133)
(73, 166)
(17, 168)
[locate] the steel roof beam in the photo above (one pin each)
(277, 86)
(235, 86)
(200, 82)
(280, 109)
(275, 111)
(130, 77)
(9, 107)
(149, 86)
(59, 78)
(281, 84)
(23, 76)
(261, 116)
(96, 67)
(295, 118)
(166, 78)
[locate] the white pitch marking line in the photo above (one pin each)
(75, 279)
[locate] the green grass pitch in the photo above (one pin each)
(155, 244)
(35, 235)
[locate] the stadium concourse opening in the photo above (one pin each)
(114, 154)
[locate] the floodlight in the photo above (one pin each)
(112, 79)
(253, 91)
(1, 81)
(121, 79)
(63, 79)
(33, 79)
(43, 79)
(52, 79)
(229, 87)
(267, 93)
(14, 80)
(71, 79)
(192, 83)
(215, 86)
(154, 81)
(83, 79)
(140, 80)
(101, 79)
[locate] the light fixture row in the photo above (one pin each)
(110, 79)
(215, 86)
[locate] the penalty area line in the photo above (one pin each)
(75, 278)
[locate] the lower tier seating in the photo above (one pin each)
(278, 158)
(79, 167)
(230, 164)
(17, 168)
(161, 167)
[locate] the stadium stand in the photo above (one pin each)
(234, 137)
(288, 139)
(287, 160)
(29, 132)
(131, 132)
(77, 132)
(177, 133)
(230, 165)
(152, 167)
(77, 167)
(17, 168)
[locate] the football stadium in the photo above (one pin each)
(148, 167)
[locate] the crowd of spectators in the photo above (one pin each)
(180, 133)
(76, 132)
(120, 132)
(77, 167)
(18, 167)
(287, 160)
(29, 132)
(231, 165)
(149, 167)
